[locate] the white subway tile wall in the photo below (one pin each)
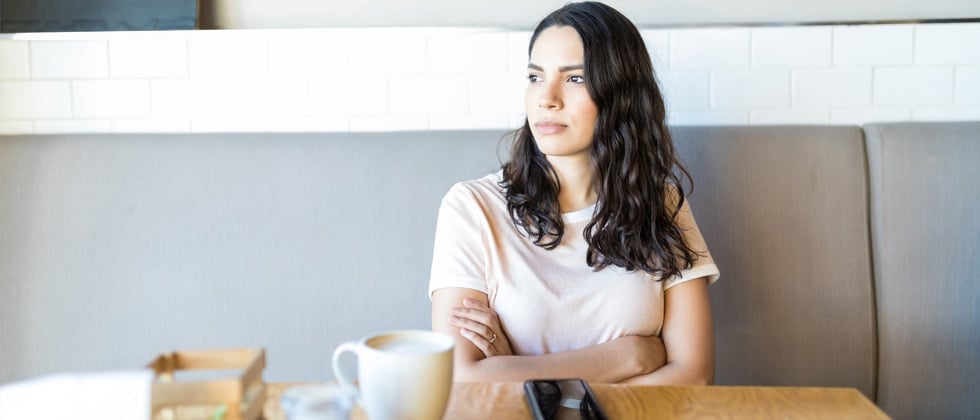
(264, 97)
(389, 123)
(14, 60)
(941, 44)
(69, 59)
(120, 98)
(148, 57)
(197, 98)
(468, 122)
(789, 116)
(686, 89)
(874, 45)
(497, 94)
(218, 54)
(711, 117)
(709, 49)
(151, 125)
(16, 127)
(387, 51)
(913, 86)
(832, 87)
(858, 116)
(792, 47)
(308, 124)
(470, 78)
(946, 113)
(72, 126)
(658, 46)
(476, 53)
(349, 95)
(517, 43)
(428, 94)
(307, 53)
(35, 100)
(749, 89)
(967, 85)
(230, 125)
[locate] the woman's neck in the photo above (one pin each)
(576, 180)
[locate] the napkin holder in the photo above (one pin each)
(238, 397)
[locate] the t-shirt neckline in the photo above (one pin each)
(579, 215)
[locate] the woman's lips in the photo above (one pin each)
(547, 128)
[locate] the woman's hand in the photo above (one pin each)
(480, 325)
(647, 353)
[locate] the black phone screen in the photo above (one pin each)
(562, 399)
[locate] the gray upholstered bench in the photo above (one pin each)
(849, 256)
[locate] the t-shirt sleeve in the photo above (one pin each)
(458, 256)
(704, 265)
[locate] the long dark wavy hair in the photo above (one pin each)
(638, 175)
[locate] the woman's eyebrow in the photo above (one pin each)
(561, 69)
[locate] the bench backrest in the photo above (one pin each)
(114, 248)
(925, 194)
(784, 213)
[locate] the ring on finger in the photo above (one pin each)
(493, 337)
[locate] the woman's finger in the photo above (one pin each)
(476, 304)
(482, 317)
(484, 331)
(482, 325)
(479, 341)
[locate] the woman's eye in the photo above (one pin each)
(533, 78)
(576, 79)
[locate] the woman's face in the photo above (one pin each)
(559, 108)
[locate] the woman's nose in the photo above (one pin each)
(550, 98)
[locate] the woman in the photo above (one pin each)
(580, 258)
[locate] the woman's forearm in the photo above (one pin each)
(610, 362)
(674, 374)
(668, 376)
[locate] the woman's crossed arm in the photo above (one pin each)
(683, 354)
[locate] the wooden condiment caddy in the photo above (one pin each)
(238, 397)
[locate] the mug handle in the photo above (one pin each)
(344, 375)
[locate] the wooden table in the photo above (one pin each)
(506, 401)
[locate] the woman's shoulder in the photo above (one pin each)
(483, 188)
(482, 196)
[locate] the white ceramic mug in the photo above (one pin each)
(400, 374)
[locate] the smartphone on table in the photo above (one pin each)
(562, 399)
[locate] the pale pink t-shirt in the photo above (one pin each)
(548, 300)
